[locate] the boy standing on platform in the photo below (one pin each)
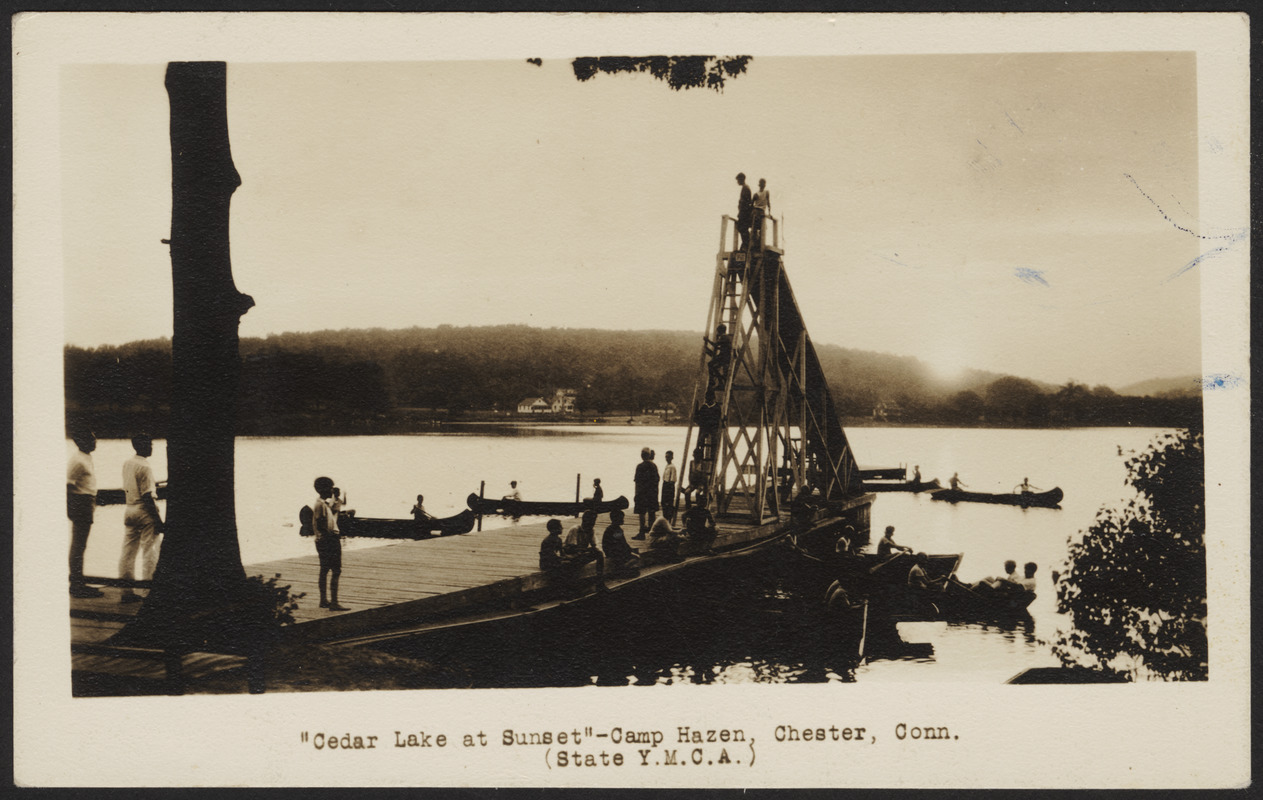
(324, 522)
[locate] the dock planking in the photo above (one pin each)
(378, 583)
(437, 582)
(416, 586)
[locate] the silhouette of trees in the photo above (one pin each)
(1013, 400)
(1136, 583)
(966, 406)
(679, 72)
(382, 381)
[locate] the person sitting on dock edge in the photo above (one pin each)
(580, 547)
(619, 554)
(324, 522)
(419, 514)
(550, 548)
(646, 480)
(887, 543)
(699, 526)
(670, 475)
(664, 539)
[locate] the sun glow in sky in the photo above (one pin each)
(1019, 213)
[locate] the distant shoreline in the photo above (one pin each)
(441, 426)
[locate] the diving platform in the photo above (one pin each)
(765, 435)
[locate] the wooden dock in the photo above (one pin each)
(413, 587)
(401, 589)
(93, 620)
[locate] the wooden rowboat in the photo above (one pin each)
(1048, 499)
(883, 582)
(540, 508)
(381, 528)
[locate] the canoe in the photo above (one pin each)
(540, 508)
(902, 486)
(883, 473)
(380, 528)
(882, 581)
(117, 497)
(1048, 499)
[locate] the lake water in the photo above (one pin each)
(691, 634)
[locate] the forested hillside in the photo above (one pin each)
(397, 380)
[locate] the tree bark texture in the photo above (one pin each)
(199, 576)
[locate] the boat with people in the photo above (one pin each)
(880, 585)
(1049, 499)
(383, 528)
(541, 508)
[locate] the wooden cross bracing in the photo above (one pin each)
(763, 418)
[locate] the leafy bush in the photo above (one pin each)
(272, 598)
(1135, 586)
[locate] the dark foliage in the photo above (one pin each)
(679, 72)
(379, 381)
(1136, 583)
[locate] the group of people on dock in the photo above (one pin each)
(649, 499)
(654, 492)
(564, 557)
(142, 524)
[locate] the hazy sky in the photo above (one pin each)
(1030, 214)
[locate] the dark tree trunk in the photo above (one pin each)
(199, 584)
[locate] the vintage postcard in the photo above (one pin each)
(695, 400)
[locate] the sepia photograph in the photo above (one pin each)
(703, 390)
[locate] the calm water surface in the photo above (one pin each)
(736, 625)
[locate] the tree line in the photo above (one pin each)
(390, 381)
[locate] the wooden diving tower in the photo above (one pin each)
(764, 434)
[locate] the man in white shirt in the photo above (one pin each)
(141, 522)
(80, 503)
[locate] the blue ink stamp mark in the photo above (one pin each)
(1220, 380)
(1032, 276)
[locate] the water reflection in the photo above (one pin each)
(742, 626)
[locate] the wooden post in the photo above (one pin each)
(577, 492)
(482, 488)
